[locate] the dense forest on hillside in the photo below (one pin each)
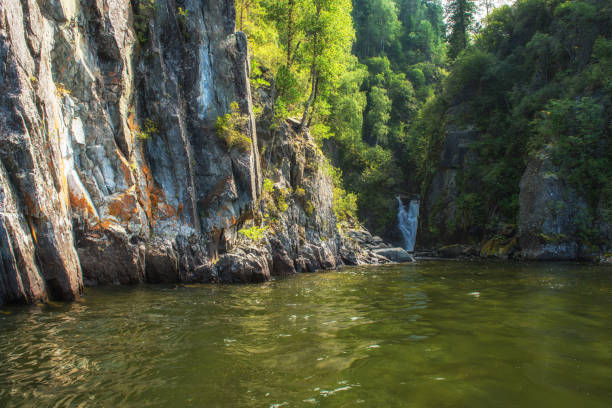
(381, 82)
(535, 84)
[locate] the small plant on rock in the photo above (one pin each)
(254, 233)
(229, 128)
(151, 128)
(61, 90)
(144, 13)
(281, 199)
(268, 186)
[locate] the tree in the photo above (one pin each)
(328, 37)
(460, 14)
(379, 114)
(377, 24)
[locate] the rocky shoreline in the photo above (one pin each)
(113, 170)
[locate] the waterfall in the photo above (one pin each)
(408, 221)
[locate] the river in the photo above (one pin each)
(429, 334)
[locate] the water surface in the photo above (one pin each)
(431, 334)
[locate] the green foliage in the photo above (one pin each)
(254, 233)
(309, 208)
(345, 204)
(305, 45)
(576, 132)
(268, 186)
(377, 26)
(145, 11)
(460, 16)
(151, 127)
(280, 198)
(299, 193)
(182, 14)
(379, 114)
(257, 76)
(287, 86)
(536, 82)
(230, 128)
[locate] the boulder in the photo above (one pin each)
(394, 254)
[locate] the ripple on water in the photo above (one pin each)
(371, 336)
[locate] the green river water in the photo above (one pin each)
(429, 334)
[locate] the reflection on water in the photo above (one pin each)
(432, 334)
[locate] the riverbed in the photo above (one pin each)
(428, 334)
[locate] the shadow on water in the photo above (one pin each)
(430, 334)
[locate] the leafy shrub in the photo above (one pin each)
(61, 90)
(144, 13)
(229, 128)
(299, 192)
(345, 204)
(309, 208)
(254, 233)
(281, 199)
(268, 186)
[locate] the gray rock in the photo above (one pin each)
(395, 254)
(548, 213)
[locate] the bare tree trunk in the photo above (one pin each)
(313, 75)
(310, 98)
(316, 93)
(291, 6)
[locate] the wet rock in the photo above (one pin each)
(501, 248)
(109, 258)
(233, 268)
(395, 254)
(458, 251)
(161, 263)
(282, 263)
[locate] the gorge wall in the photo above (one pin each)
(548, 224)
(111, 171)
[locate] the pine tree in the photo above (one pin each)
(460, 15)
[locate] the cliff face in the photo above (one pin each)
(551, 222)
(440, 220)
(111, 171)
(553, 217)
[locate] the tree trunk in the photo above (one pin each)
(310, 98)
(291, 6)
(316, 93)
(313, 75)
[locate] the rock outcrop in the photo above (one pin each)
(111, 170)
(440, 222)
(550, 213)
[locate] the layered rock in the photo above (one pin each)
(111, 170)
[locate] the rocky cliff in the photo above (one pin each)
(111, 170)
(553, 221)
(441, 222)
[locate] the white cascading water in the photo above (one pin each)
(408, 221)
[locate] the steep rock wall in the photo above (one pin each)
(111, 171)
(440, 222)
